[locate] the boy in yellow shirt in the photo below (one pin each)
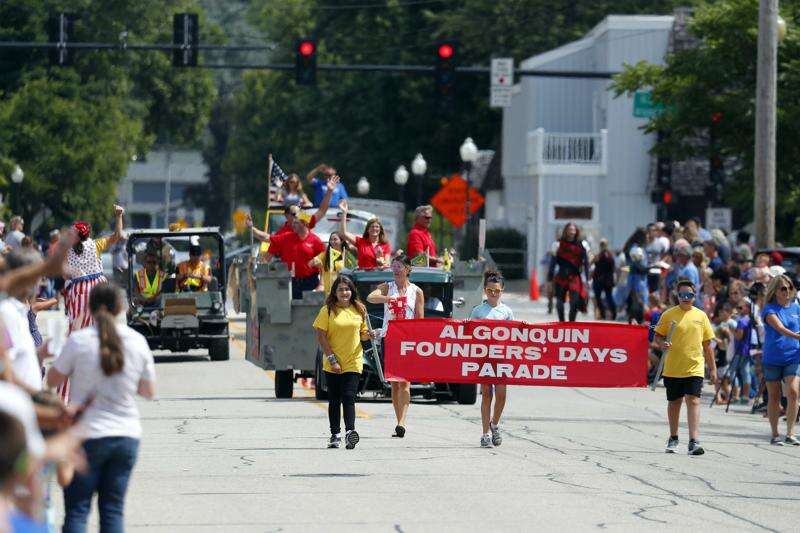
(683, 372)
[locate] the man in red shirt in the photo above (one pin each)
(420, 239)
(287, 212)
(297, 249)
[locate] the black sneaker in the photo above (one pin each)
(351, 438)
(695, 448)
(672, 445)
(399, 432)
(334, 441)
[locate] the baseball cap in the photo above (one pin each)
(300, 214)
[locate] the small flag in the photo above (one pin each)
(420, 260)
(278, 175)
(350, 261)
(447, 259)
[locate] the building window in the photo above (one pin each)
(153, 192)
(178, 192)
(573, 212)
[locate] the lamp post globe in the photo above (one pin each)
(362, 186)
(468, 151)
(17, 175)
(419, 166)
(781, 29)
(401, 175)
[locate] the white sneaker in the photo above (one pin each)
(486, 441)
(497, 440)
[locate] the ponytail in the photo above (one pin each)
(105, 302)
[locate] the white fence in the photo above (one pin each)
(567, 152)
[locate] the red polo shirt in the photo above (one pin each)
(367, 257)
(297, 252)
(419, 241)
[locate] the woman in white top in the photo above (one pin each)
(107, 364)
(401, 300)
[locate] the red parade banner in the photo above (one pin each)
(560, 354)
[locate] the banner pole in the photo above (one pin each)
(660, 368)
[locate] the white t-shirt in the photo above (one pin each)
(17, 403)
(113, 411)
(20, 346)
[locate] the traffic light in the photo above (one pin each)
(59, 30)
(186, 34)
(662, 196)
(305, 62)
(445, 71)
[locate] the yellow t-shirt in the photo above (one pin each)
(343, 328)
(101, 245)
(329, 275)
(685, 356)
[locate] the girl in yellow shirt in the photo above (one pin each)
(341, 325)
(331, 261)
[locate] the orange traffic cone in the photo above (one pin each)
(533, 292)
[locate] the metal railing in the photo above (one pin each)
(572, 148)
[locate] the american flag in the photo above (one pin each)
(278, 175)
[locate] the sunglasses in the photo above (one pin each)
(685, 295)
(784, 289)
(494, 292)
(428, 218)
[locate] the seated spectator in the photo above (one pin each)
(420, 240)
(291, 192)
(193, 275)
(297, 249)
(288, 212)
(149, 280)
(322, 185)
(373, 246)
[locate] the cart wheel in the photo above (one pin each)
(284, 383)
(219, 350)
(320, 386)
(466, 393)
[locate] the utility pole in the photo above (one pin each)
(766, 96)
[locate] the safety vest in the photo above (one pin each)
(146, 288)
(186, 268)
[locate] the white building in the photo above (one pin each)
(573, 152)
(159, 178)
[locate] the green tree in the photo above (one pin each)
(719, 77)
(368, 123)
(74, 129)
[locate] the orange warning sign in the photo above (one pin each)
(451, 200)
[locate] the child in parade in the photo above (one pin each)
(492, 309)
(401, 300)
(683, 369)
(341, 325)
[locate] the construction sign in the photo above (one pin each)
(451, 200)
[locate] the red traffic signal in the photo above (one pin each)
(306, 48)
(445, 51)
(667, 197)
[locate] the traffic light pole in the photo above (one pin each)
(401, 69)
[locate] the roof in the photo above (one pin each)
(611, 22)
(418, 275)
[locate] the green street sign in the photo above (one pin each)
(643, 105)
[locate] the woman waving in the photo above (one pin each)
(373, 247)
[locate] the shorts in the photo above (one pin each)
(677, 388)
(721, 357)
(778, 372)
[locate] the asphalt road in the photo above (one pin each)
(220, 453)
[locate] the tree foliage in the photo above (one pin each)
(369, 123)
(74, 129)
(719, 77)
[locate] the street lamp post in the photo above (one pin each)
(17, 176)
(419, 167)
(401, 178)
(469, 154)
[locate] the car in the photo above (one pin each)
(180, 321)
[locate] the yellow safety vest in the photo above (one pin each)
(146, 288)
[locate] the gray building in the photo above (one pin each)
(163, 177)
(573, 152)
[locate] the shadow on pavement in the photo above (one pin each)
(180, 358)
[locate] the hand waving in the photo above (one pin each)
(118, 210)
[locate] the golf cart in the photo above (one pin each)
(280, 336)
(179, 319)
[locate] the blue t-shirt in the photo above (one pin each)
(743, 346)
(21, 523)
(487, 312)
(321, 188)
(779, 350)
